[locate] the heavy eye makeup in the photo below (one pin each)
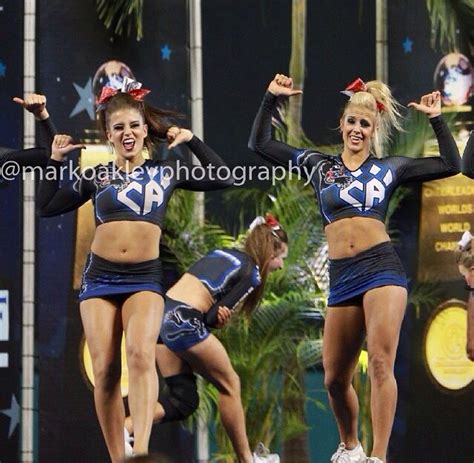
(133, 125)
(363, 122)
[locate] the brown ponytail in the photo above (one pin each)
(262, 243)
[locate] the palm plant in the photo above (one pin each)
(265, 351)
(451, 22)
(424, 296)
(188, 240)
(121, 15)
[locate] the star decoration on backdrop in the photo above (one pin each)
(86, 100)
(166, 53)
(407, 45)
(3, 69)
(13, 413)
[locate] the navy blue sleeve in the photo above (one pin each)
(235, 296)
(447, 164)
(31, 157)
(206, 155)
(261, 140)
(468, 158)
(53, 200)
(47, 132)
(212, 174)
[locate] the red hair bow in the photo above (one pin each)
(380, 106)
(105, 95)
(355, 86)
(108, 92)
(358, 85)
(271, 221)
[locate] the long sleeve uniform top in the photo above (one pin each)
(364, 192)
(139, 195)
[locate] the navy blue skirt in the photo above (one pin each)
(182, 326)
(102, 278)
(351, 277)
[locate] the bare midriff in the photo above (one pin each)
(349, 237)
(190, 290)
(127, 241)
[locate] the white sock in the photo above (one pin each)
(356, 449)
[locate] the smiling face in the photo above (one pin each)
(358, 126)
(126, 131)
(277, 261)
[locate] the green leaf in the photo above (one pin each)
(121, 15)
(449, 18)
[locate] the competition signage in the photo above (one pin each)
(447, 211)
(445, 347)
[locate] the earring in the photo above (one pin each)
(110, 147)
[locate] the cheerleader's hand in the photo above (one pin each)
(224, 315)
(177, 135)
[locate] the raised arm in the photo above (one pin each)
(38, 156)
(36, 105)
(213, 174)
(449, 161)
(52, 199)
(468, 158)
(261, 140)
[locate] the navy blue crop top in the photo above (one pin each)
(365, 192)
(468, 158)
(229, 275)
(139, 195)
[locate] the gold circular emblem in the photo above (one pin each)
(87, 366)
(445, 347)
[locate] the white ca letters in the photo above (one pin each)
(152, 194)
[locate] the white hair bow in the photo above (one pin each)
(259, 220)
(465, 240)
